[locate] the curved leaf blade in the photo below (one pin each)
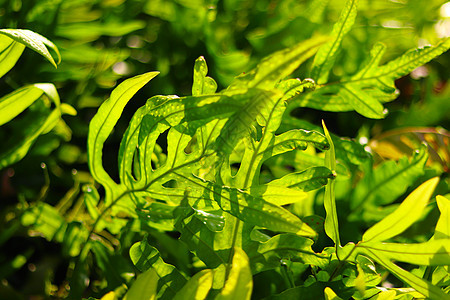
(103, 123)
(431, 253)
(442, 230)
(197, 288)
(240, 281)
(326, 56)
(277, 66)
(331, 219)
(10, 52)
(146, 257)
(35, 42)
(249, 208)
(424, 287)
(203, 84)
(307, 180)
(144, 288)
(404, 216)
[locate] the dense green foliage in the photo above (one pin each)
(282, 169)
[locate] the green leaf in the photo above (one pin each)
(330, 294)
(331, 219)
(33, 41)
(388, 181)
(404, 216)
(239, 283)
(146, 257)
(347, 151)
(26, 136)
(307, 180)
(326, 56)
(16, 102)
(103, 123)
(372, 85)
(46, 220)
(277, 66)
(238, 126)
(203, 84)
(431, 253)
(197, 288)
(294, 87)
(407, 62)
(277, 195)
(287, 247)
(144, 288)
(211, 247)
(429, 290)
(247, 207)
(362, 102)
(10, 52)
(442, 230)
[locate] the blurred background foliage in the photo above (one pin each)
(103, 42)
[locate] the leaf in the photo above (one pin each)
(271, 145)
(238, 126)
(407, 62)
(331, 219)
(10, 52)
(294, 87)
(45, 219)
(146, 257)
(282, 247)
(372, 85)
(278, 65)
(326, 56)
(144, 288)
(197, 288)
(442, 230)
(409, 211)
(424, 287)
(211, 247)
(386, 295)
(103, 123)
(203, 84)
(107, 296)
(26, 136)
(347, 151)
(239, 283)
(16, 102)
(33, 41)
(307, 180)
(388, 181)
(277, 195)
(362, 102)
(247, 207)
(330, 294)
(431, 253)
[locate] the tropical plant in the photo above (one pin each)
(237, 193)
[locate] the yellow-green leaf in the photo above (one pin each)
(109, 296)
(10, 52)
(197, 288)
(330, 294)
(442, 230)
(331, 219)
(404, 216)
(239, 283)
(326, 56)
(103, 123)
(145, 287)
(35, 42)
